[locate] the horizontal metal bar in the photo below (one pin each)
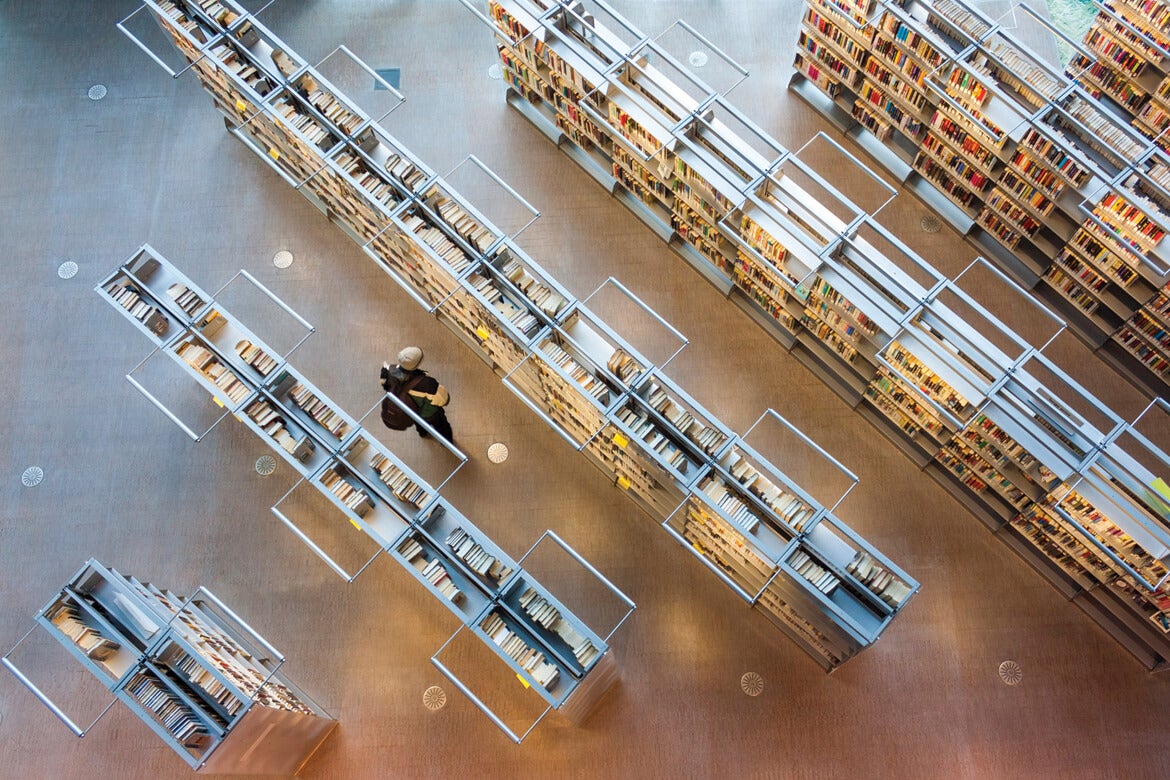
(312, 545)
(646, 308)
(535, 212)
(215, 600)
(42, 696)
(584, 563)
(467, 691)
(45, 700)
(743, 72)
(362, 64)
(162, 408)
(703, 559)
(149, 52)
(506, 379)
(482, 16)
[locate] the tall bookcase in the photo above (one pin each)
(615, 406)
(1124, 59)
(1040, 174)
(203, 680)
(369, 486)
(933, 93)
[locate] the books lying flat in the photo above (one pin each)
(186, 298)
(321, 412)
(888, 587)
(432, 569)
(207, 363)
(454, 215)
(515, 647)
(89, 640)
(734, 507)
(468, 550)
(548, 616)
(549, 301)
(395, 479)
(352, 496)
(256, 357)
(405, 171)
(140, 309)
(623, 366)
(821, 578)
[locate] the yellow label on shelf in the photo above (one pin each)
(1161, 486)
(698, 549)
(274, 154)
(241, 106)
(482, 332)
(620, 440)
(624, 483)
(523, 681)
(238, 417)
(354, 523)
(218, 402)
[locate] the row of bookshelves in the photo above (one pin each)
(198, 676)
(1025, 161)
(621, 411)
(370, 487)
(884, 329)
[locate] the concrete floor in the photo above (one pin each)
(90, 181)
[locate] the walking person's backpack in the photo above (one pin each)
(394, 416)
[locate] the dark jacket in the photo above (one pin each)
(427, 394)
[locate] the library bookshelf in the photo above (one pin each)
(200, 678)
(883, 329)
(1037, 166)
(569, 366)
(548, 647)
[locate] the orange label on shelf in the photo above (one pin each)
(523, 681)
(482, 332)
(620, 440)
(274, 154)
(623, 483)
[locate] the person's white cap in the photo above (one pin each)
(410, 357)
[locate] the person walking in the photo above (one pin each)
(419, 390)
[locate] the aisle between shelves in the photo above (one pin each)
(562, 360)
(372, 488)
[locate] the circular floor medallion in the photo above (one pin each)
(265, 465)
(1011, 672)
(67, 270)
(697, 59)
(498, 452)
(97, 92)
(434, 698)
(32, 476)
(752, 683)
(930, 224)
(495, 72)
(282, 259)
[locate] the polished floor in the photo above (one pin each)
(89, 181)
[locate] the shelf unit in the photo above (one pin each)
(1125, 59)
(374, 490)
(1013, 436)
(204, 681)
(1039, 173)
(575, 371)
(944, 91)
